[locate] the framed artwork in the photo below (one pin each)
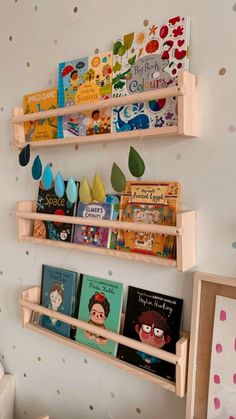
(211, 389)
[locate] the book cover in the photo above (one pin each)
(87, 79)
(45, 128)
(100, 305)
(154, 319)
(92, 235)
(147, 60)
(49, 203)
(114, 200)
(149, 203)
(59, 293)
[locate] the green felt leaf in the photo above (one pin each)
(136, 163)
(131, 60)
(128, 40)
(118, 180)
(116, 47)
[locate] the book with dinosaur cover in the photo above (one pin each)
(154, 319)
(83, 80)
(49, 203)
(146, 60)
(45, 128)
(149, 203)
(100, 305)
(59, 292)
(92, 235)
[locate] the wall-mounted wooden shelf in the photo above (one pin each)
(30, 302)
(185, 91)
(185, 232)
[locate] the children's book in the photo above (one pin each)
(49, 203)
(45, 128)
(100, 305)
(59, 293)
(149, 203)
(87, 79)
(92, 235)
(154, 319)
(114, 200)
(147, 60)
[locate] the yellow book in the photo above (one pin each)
(149, 203)
(45, 128)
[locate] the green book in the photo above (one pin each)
(100, 305)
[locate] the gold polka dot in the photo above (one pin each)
(96, 51)
(145, 22)
(222, 71)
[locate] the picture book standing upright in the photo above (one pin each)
(59, 293)
(92, 235)
(45, 128)
(154, 319)
(147, 60)
(49, 203)
(149, 203)
(100, 305)
(83, 80)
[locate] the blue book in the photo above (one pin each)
(59, 293)
(92, 235)
(100, 305)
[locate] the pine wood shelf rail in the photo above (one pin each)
(30, 302)
(185, 91)
(185, 232)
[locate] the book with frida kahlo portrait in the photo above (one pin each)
(154, 319)
(49, 203)
(59, 293)
(147, 60)
(45, 128)
(87, 79)
(149, 203)
(100, 305)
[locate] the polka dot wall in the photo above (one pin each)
(34, 38)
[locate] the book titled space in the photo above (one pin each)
(154, 319)
(59, 293)
(49, 203)
(100, 305)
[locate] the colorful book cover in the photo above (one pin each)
(100, 305)
(92, 235)
(114, 200)
(45, 128)
(59, 293)
(49, 203)
(87, 79)
(154, 319)
(148, 60)
(149, 203)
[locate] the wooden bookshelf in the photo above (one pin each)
(185, 91)
(30, 302)
(185, 232)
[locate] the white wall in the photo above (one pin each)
(64, 382)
